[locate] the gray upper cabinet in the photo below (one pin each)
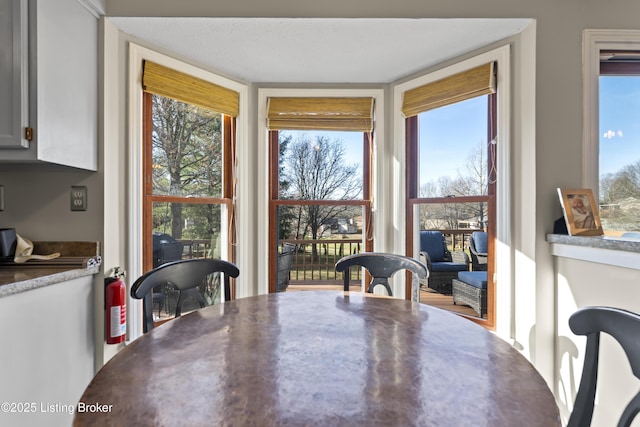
(14, 85)
(59, 84)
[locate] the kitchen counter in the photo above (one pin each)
(627, 244)
(614, 251)
(14, 280)
(77, 259)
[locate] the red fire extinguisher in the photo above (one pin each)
(115, 316)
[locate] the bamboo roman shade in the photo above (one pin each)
(458, 87)
(183, 87)
(339, 114)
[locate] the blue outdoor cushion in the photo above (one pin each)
(480, 241)
(431, 243)
(477, 279)
(448, 266)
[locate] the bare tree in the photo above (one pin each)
(317, 170)
(621, 192)
(621, 185)
(471, 180)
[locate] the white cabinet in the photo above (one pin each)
(62, 76)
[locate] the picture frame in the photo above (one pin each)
(580, 212)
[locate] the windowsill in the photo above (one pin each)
(615, 251)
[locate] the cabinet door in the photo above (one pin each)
(66, 76)
(14, 89)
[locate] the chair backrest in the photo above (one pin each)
(186, 276)
(622, 325)
(432, 242)
(382, 266)
(479, 242)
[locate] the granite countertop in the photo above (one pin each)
(77, 259)
(14, 280)
(626, 244)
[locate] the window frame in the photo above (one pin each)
(505, 202)
(264, 229)
(414, 200)
(133, 157)
(275, 201)
(593, 41)
(149, 197)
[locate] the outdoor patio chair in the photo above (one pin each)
(470, 288)
(478, 247)
(285, 262)
(443, 265)
(623, 326)
(382, 266)
(185, 276)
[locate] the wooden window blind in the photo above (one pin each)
(167, 82)
(449, 90)
(338, 114)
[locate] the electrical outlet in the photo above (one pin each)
(78, 198)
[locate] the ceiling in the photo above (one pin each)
(318, 50)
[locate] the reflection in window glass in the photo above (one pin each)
(619, 163)
(187, 149)
(453, 150)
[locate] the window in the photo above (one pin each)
(610, 131)
(188, 196)
(320, 193)
(451, 151)
(619, 142)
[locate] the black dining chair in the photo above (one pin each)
(185, 276)
(622, 325)
(382, 266)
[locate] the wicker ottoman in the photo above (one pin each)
(470, 288)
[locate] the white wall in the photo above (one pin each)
(581, 284)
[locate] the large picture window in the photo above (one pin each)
(451, 152)
(320, 196)
(619, 142)
(188, 176)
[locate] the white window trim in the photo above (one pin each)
(504, 207)
(377, 169)
(593, 41)
(137, 54)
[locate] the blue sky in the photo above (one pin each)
(619, 122)
(447, 135)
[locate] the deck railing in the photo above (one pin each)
(315, 260)
(318, 265)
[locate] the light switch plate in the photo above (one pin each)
(79, 198)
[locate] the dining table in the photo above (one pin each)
(318, 358)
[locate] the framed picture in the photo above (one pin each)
(580, 212)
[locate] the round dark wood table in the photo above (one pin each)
(318, 358)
